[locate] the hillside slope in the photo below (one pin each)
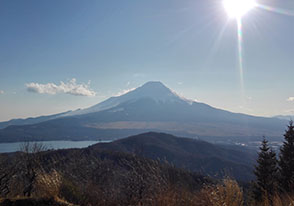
(194, 155)
(32, 120)
(89, 175)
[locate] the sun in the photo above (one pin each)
(238, 8)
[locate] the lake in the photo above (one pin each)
(13, 147)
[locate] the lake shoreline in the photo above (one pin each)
(59, 144)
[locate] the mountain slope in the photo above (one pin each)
(285, 117)
(191, 154)
(151, 90)
(151, 107)
(32, 120)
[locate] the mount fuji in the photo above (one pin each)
(151, 107)
(155, 91)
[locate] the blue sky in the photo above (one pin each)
(111, 46)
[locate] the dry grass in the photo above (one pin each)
(276, 200)
(227, 193)
(174, 197)
(48, 184)
(25, 201)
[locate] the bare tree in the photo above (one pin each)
(32, 147)
(30, 158)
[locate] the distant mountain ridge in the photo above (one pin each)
(31, 120)
(285, 117)
(151, 107)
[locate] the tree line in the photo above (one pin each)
(275, 173)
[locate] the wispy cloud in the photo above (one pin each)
(245, 108)
(288, 112)
(139, 75)
(71, 87)
(290, 99)
(1, 92)
(122, 92)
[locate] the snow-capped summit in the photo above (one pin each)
(154, 90)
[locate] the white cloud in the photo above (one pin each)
(1, 92)
(290, 99)
(70, 87)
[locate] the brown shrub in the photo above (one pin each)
(226, 194)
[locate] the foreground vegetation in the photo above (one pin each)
(227, 192)
(92, 176)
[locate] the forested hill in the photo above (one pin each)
(81, 175)
(191, 154)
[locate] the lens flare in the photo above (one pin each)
(240, 51)
(276, 10)
(238, 8)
